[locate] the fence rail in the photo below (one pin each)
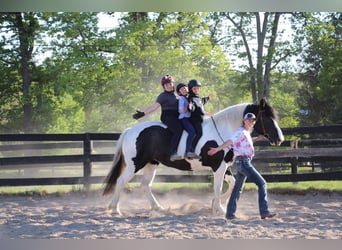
(292, 152)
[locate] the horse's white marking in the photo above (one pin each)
(280, 133)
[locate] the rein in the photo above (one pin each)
(218, 132)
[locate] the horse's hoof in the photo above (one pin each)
(113, 210)
(217, 211)
(159, 209)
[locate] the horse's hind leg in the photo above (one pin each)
(123, 179)
(146, 185)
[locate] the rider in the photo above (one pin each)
(168, 102)
(184, 117)
(197, 108)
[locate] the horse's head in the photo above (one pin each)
(266, 123)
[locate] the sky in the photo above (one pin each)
(106, 21)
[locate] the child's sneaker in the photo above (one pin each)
(175, 157)
(191, 155)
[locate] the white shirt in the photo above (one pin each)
(243, 143)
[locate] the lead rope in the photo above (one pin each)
(229, 168)
(212, 118)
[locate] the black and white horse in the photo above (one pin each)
(146, 144)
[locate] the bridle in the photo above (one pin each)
(259, 117)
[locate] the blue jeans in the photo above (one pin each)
(187, 125)
(246, 170)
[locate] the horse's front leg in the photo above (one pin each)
(146, 185)
(218, 182)
(231, 182)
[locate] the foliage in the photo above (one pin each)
(320, 100)
(61, 73)
(257, 45)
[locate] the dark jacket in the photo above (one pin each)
(197, 111)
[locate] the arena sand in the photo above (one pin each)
(188, 216)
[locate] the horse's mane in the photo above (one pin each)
(233, 113)
(236, 112)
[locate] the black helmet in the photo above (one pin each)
(193, 83)
(179, 86)
(166, 79)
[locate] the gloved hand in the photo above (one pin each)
(138, 114)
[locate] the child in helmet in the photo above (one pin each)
(196, 108)
(184, 117)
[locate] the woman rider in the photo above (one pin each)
(168, 102)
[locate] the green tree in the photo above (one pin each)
(320, 101)
(21, 30)
(147, 46)
(253, 38)
(80, 74)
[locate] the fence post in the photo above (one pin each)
(87, 164)
(294, 160)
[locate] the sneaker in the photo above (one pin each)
(233, 217)
(267, 216)
(191, 155)
(175, 157)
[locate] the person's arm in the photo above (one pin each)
(259, 138)
(192, 105)
(207, 99)
(226, 144)
(147, 111)
(151, 108)
(182, 108)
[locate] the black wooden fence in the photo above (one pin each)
(318, 146)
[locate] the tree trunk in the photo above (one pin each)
(271, 49)
(25, 36)
(261, 35)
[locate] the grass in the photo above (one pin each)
(40, 190)
(323, 187)
(306, 187)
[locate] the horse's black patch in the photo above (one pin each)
(215, 160)
(153, 146)
(229, 156)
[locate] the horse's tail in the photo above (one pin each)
(117, 166)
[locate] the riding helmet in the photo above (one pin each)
(166, 79)
(194, 83)
(179, 86)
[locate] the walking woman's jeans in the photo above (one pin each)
(246, 170)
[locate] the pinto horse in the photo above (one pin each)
(146, 144)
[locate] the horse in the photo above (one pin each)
(146, 145)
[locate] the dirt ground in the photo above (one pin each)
(188, 216)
